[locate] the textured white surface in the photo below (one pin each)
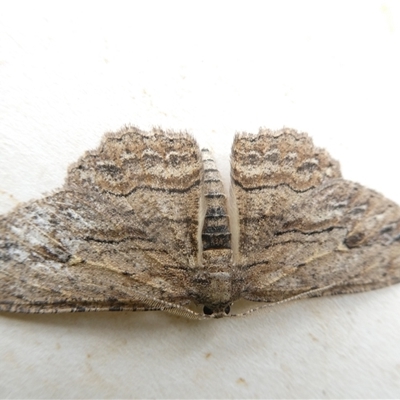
(71, 70)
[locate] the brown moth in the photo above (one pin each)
(142, 223)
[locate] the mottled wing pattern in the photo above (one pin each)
(302, 228)
(122, 230)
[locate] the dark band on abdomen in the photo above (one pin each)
(216, 233)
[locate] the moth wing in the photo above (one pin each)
(304, 229)
(121, 233)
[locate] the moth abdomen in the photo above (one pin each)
(216, 233)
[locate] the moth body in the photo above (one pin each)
(142, 223)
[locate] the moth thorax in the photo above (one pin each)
(218, 277)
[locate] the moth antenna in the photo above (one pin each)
(172, 308)
(293, 298)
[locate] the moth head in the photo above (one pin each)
(217, 311)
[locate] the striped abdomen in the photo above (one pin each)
(215, 234)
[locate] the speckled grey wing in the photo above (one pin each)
(121, 232)
(302, 228)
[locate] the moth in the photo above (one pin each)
(143, 223)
